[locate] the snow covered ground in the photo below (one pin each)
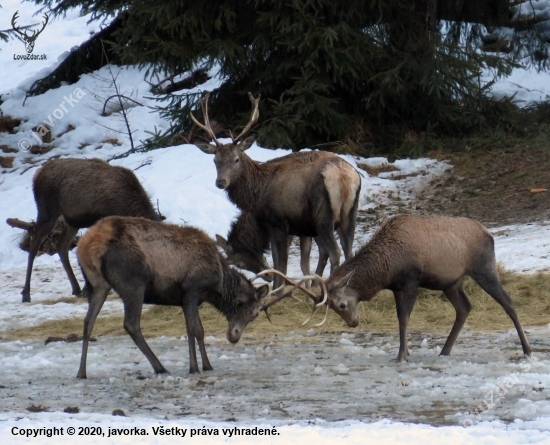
(311, 386)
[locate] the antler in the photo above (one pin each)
(324, 291)
(295, 285)
(253, 117)
(206, 127)
(15, 28)
(289, 281)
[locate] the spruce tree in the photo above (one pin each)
(321, 66)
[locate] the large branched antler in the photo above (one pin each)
(206, 127)
(290, 281)
(320, 300)
(253, 117)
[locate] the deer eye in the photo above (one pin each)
(236, 160)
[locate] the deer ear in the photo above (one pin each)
(343, 282)
(245, 145)
(222, 242)
(262, 292)
(207, 148)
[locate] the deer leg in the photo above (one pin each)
(404, 302)
(346, 240)
(206, 366)
(279, 250)
(63, 244)
(327, 241)
(41, 230)
(347, 229)
(192, 322)
(96, 297)
(490, 283)
(305, 253)
(323, 258)
(462, 306)
(133, 304)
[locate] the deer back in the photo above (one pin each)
(85, 190)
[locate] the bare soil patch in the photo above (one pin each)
(495, 186)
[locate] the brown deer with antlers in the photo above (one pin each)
(310, 195)
(28, 39)
(410, 251)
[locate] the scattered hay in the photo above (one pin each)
(432, 313)
(46, 136)
(112, 141)
(6, 161)
(41, 149)
(8, 149)
(8, 124)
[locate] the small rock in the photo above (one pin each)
(119, 412)
(72, 410)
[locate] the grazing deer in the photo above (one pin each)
(148, 262)
(310, 195)
(408, 252)
(248, 241)
(81, 191)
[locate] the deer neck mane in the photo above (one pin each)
(247, 190)
(371, 272)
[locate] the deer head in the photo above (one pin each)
(227, 156)
(28, 39)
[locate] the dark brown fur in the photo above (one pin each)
(303, 195)
(411, 251)
(147, 262)
(248, 241)
(81, 191)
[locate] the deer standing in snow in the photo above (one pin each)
(311, 195)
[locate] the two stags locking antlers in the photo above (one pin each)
(317, 300)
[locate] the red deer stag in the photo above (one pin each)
(310, 195)
(408, 252)
(81, 191)
(148, 262)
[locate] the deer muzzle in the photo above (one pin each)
(222, 183)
